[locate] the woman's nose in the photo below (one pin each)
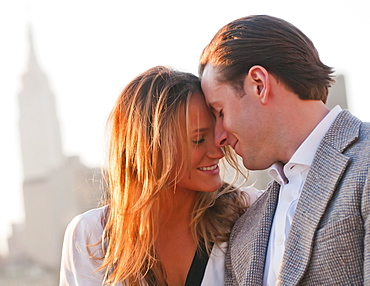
(215, 152)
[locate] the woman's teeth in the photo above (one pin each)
(208, 168)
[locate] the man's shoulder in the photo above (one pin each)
(347, 131)
(362, 129)
(365, 130)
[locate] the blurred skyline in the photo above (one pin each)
(90, 50)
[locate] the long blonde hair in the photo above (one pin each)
(145, 136)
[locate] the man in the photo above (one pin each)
(267, 87)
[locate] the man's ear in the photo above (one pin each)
(258, 80)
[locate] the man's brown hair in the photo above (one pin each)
(281, 48)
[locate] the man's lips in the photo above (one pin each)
(234, 145)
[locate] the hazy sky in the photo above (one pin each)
(91, 49)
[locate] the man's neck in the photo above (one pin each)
(299, 123)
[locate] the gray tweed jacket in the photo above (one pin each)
(329, 240)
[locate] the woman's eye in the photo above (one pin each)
(199, 141)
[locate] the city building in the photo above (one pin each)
(55, 187)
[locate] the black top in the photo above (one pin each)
(196, 271)
(198, 267)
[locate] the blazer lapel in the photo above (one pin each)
(327, 168)
(248, 249)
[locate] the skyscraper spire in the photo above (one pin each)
(38, 122)
(32, 61)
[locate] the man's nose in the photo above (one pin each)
(220, 134)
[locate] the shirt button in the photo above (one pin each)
(280, 241)
(289, 198)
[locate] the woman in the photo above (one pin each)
(168, 214)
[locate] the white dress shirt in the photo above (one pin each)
(291, 178)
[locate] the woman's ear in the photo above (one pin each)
(258, 80)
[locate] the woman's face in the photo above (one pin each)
(203, 174)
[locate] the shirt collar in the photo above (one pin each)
(303, 156)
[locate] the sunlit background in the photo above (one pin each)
(90, 49)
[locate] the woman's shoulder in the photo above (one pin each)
(89, 217)
(82, 249)
(88, 224)
(92, 215)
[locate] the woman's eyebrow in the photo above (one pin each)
(198, 130)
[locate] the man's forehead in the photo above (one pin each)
(211, 86)
(209, 81)
(210, 73)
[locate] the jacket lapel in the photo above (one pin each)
(327, 168)
(248, 250)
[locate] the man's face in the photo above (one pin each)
(239, 119)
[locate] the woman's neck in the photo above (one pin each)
(175, 244)
(177, 208)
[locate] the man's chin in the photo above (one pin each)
(255, 166)
(251, 165)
